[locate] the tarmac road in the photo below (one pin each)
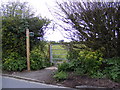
(8, 82)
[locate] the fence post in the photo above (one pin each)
(50, 52)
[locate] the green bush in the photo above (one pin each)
(61, 75)
(98, 74)
(72, 54)
(38, 60)
(92, 64)
(79, 71)
(14, 62)
(87, 62)
(63, 67)
(90, 61)
(74, 50)
(112, 71)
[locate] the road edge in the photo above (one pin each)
(37, 81)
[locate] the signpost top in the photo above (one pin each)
(31, 33)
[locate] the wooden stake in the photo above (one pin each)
(50, 48)
(28, 49)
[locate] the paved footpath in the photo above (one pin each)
(43, 76)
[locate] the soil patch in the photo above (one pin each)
(75, 80)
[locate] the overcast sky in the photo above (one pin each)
(41, 8)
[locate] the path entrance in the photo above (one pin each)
(58, 53)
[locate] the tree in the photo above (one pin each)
(16, 17)
(17, 9)
(95, 24)
(61, 41)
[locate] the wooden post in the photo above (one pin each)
(28, 49)
(50, 49)
(49, 52)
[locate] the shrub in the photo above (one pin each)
(90, 61)
(113, 70)
(38, 59)
(61, 75)
(74, 50)
(14, 62)
(79, 71)
(72, 54)
(98, 74)
(63, 66)
(87, 62)
(92, 64)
